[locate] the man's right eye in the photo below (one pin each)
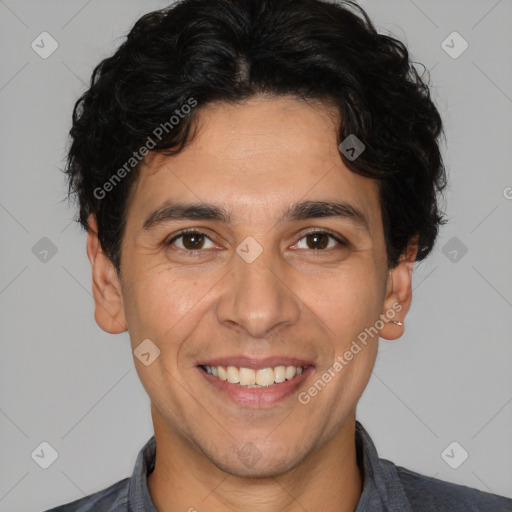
(190, 240)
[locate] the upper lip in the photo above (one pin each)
(255, 363)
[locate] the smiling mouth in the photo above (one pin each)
(252, 378)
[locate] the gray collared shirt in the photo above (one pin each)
(386, 487)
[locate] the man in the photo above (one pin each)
(257, 179)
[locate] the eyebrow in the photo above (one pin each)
(303, 210)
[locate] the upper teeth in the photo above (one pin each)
(250, 377)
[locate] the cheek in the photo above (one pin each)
(157, 301)
(347, 302)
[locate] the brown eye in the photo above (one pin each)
(193, 241)
(318, 241)
(190, 241)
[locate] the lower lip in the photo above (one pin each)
(258, 397)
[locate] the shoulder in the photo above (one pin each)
(111, 499)
(427, 494)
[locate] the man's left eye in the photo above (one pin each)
(319, 240)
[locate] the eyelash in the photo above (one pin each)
(332, 235)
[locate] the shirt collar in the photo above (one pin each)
(382, 489)
(139, 498)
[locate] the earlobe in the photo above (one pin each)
(106, 287)
(398, 295)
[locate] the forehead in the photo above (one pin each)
(265, 154)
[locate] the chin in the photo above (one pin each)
(249, 461)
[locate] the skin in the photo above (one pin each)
(293, 300)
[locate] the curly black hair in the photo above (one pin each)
(229, 50)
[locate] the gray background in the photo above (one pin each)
(65, 381)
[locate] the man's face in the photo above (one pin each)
(211, 298)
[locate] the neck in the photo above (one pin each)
(328, 479)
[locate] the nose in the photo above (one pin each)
(258, 297)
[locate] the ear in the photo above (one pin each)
(399, 293)
(106, 287)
